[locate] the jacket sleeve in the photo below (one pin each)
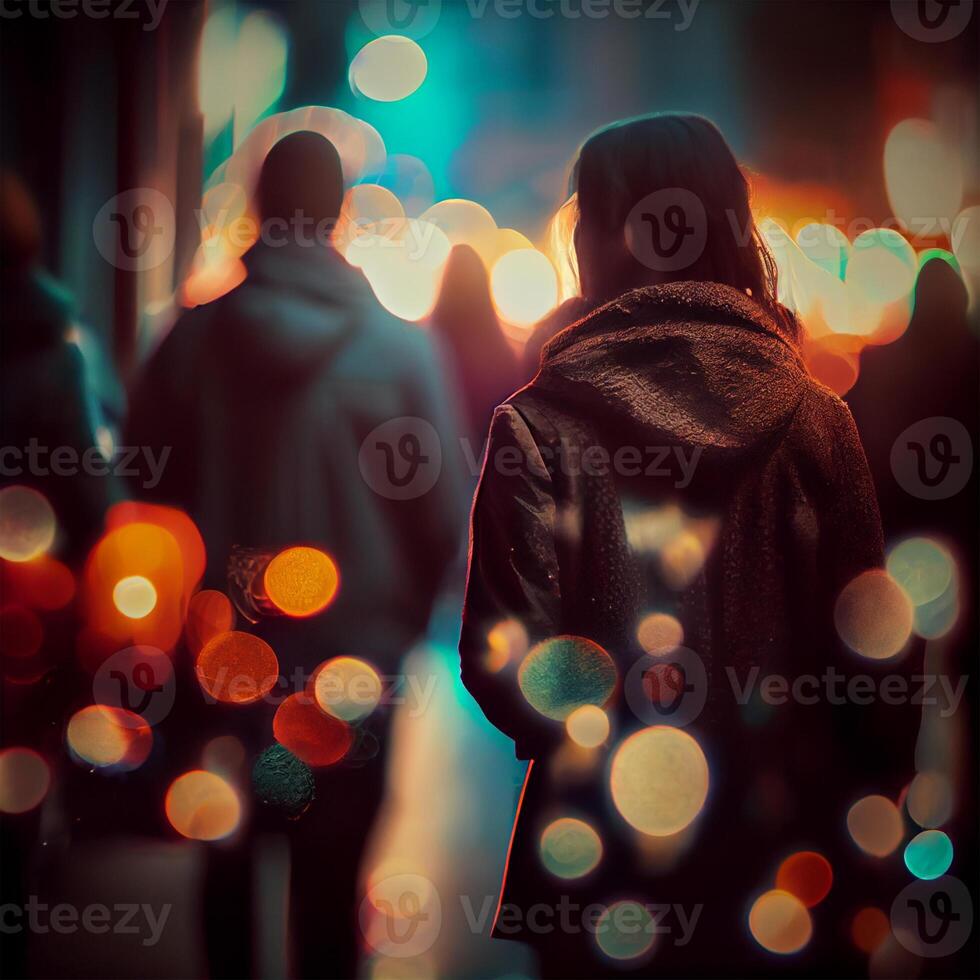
(513, 575)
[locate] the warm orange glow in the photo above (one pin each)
(202, 806)
(209, 613)
(347, 688)
(659, 780)
(131, 552)
(807, 875)
(869, 929)
(588, 726)
(507, 642)
(780, 922)
(237, 668)
(310, 734)
(176, 522)
(659, 633)
(24, 780)
(134, 596)
(874, 616)
(876, 825)
(43, 583)
(104, 736)
(301, 581)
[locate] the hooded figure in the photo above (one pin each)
(267, 396)
(677, 501)
(300, 412)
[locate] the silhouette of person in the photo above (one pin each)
(271, 398)
(674, 459)
(48, 414)
(484, 365)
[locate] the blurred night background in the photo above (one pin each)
(861, 136)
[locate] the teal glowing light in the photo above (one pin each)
(928, 855)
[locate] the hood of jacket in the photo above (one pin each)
(693, 364)
(295, 311)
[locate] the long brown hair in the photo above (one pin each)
(621, 165)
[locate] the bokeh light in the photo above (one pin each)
(202, 806)
(27, 523)
(930, 799)
(929, 854)
(464, 222)
(588, 726)
(869, 929)
(237, 667)
(283, 781)
(807, 875)
(659, 780)
(563, 673)
(301, 581)
(388, 68)
(625, 930)
(524, 286)
(659, 633)
(934, 619)
(108, 737)
(242, 69)
(224, 755)
(923, 177)
(826, 246)
(570, 848)
(780, 922)
(135, 596)
(24, 780)
(209, 613)
(507, 643)
(403, 261)
(43, 583)
(873, 615)
(163, 546)
(875, 825)
(922, 567)
(347, 688)
(310, 734)
(965, 239)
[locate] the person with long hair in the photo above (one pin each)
(667, 518)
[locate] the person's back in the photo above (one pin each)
(687, 507)
(299, 412)
(266, 397)
(47, 410)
